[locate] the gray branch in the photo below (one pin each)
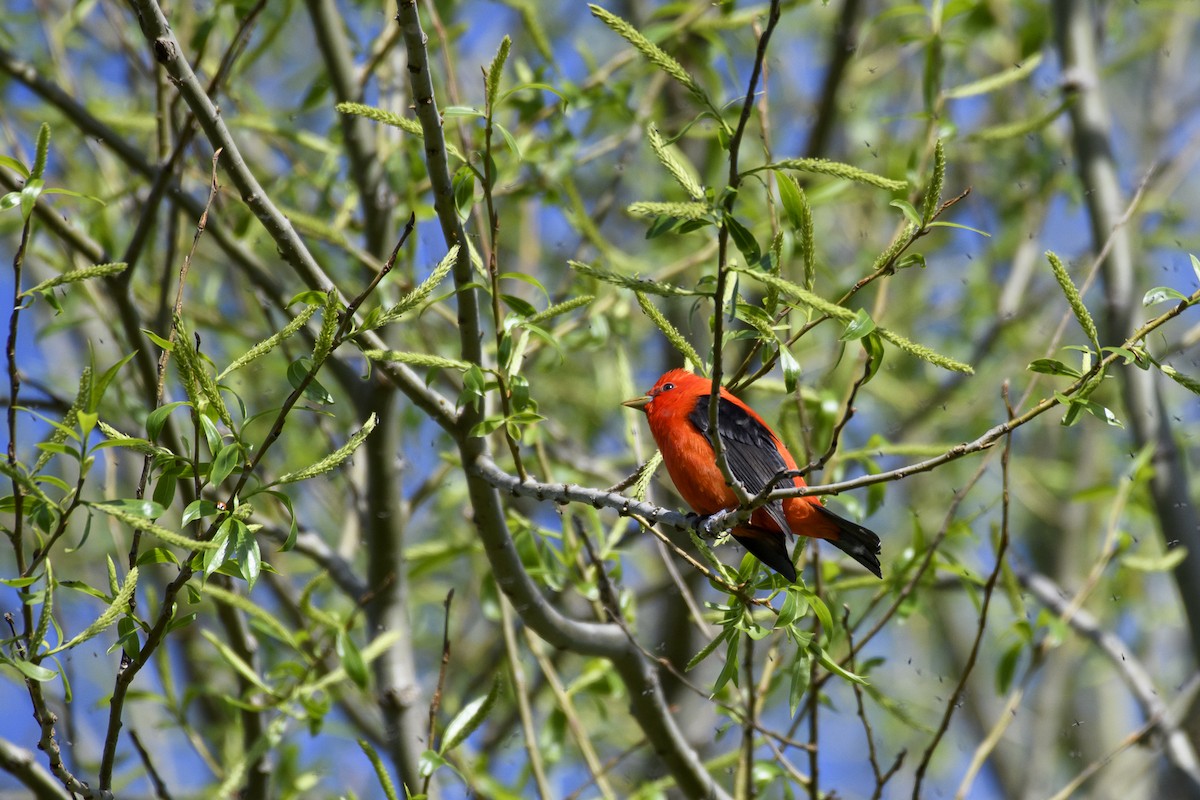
(1176, 746)
(1146, 413)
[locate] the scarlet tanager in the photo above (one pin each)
(677, 410)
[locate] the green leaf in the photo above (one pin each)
(999, 80)
(859, 327)
(1051, 366)
(463, 188)
(837, 669)
(729, 670)
(352, 660)
(744, 240)
(224, 463)
(133, 506)
(1163, 294)
(34, 672)
(237, 662)
(1006, 668)
(297, 371)
(469, 719)
(1165, 562)
(707, 650)
(158, 418)
(798, 686)
(793, 608)
(910, 212)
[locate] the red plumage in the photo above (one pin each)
(677, 409)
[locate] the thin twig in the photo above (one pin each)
(436, 701)
(988, 589)
(160, 787)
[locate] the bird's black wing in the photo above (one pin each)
(750, 449)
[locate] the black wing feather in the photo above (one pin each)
(750, 449)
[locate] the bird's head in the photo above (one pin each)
(674, 384)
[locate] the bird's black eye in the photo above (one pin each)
(668, 387)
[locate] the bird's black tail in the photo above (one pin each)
(855, 541)
(769, 547)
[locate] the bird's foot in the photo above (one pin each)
(709, 526)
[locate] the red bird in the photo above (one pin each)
(677, 410)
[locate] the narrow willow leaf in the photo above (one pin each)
(997, 81)
(560, 308)
(352, 660)
(119, 606)
(860, 327)
(76, 275)
(334, 459)
(143, 524)
(836, 668)
(1163, 294)
(1160, 563)
(653, 53)
(706, 651)
(670, 331)
(837, 169)
(34, 672)
(1015, 130)
(645, 285)
(417, 359)
(271, 342)
(676, 164)
(1073, 299)
(1052, 366)
(237, 662)
(685, 211)
(468, 720)
(377, 647)
(422, 292)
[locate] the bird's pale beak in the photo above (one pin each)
(638, 402)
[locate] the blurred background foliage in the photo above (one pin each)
(266, 689)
